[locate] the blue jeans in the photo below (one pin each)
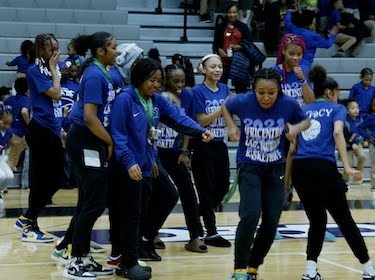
(261, 195)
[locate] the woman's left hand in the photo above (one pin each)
(207, 136)
(185, 160)
(357, 175)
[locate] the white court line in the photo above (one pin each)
(340, 265)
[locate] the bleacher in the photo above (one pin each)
(136, 21)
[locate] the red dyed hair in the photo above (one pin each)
(289, 39)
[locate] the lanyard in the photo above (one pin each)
(148, 107)
(104, 70)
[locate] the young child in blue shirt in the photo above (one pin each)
(6, 174)
(367, 129)
(363, 91)
(353, 138)
(22, 61)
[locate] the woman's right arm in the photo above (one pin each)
(233, 131)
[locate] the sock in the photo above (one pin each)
(252, 270)
(311, 269)
(368, 268)
(240, 271)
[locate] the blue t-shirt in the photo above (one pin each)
(18, 102)
(167, 136)
(262, 138)
(291, 85)
(68, 97)
(46, 111)
(116, 77)
(94, 88)
(334, 18)
(206, 101)
(22, 63)
(317, 141)
(4, 139)
(363, 97)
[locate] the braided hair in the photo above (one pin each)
(268, 74)
(41, 41)
(169, 69)
(289, 39)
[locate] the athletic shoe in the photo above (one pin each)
(113, 261)
(94, 267)
(136, 272)
(76, 271)
(62, 257)
(21, 222)
(317, 277)
(159, 244)
(240, 274)
(32, 233)
(329, 237)
(147, 252)
(367, 276)
(217, 241)
(96, 247)
(253, 276)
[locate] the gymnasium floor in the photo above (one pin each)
(286, 260)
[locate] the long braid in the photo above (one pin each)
(41, 41)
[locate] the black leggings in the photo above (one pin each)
(320, 187)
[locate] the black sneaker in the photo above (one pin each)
(253, 276)
(367, 276)
(95, 268)
(217, 241)
(206, 18)
(317, 277)
(339, 54)
(75, 270)
(136, 272)
(147, 252)
(121, 270)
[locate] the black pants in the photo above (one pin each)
(182, 179)
(92, 184)
(46, 167)
(158, 201)
(137, 208)
(320, 187)
(210, 166)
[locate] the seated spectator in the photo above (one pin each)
(20, 105)
(345, 41)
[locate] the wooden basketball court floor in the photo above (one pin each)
(286, 259)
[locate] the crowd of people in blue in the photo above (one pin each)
(129, 133)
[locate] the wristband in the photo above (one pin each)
(185, 152)
(302, 82)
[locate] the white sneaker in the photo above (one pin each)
(76, 271)
(62, 257)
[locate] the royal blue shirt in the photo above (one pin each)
(291, 85)
(46, 111)
(94, 88)
(77, 60)
(167, 136)
(17, 103)
(22, 63)
(206, 101)
(363, 97)
(334, 18)
(312, 40)
(351, 133)
(129, 128)
(367, 127)
(262, 138)
(318, 141)
(68, 97)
